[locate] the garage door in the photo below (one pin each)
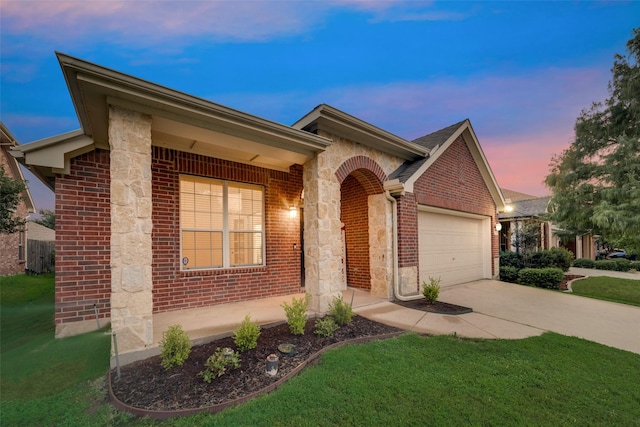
(453, 247)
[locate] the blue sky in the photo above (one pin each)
(520, 71)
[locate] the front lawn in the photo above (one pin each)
(626, 291)
(409, 380)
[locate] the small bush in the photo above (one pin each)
(341, 312)
(432, 290)
(509, 274)
(326, 327)
(297, 314)
(635, 265)
(219, 363)
(246, 336)
(511, 259)
(175, 347)
(584, 263)
(555, 257)
(623, 264)
(605, 264)
(549, 278)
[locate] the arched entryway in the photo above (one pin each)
(364, 213)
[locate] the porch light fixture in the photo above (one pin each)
(498, 226)
(293, 212)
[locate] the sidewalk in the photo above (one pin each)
(593, 272)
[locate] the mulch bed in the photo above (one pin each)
(437, 307)
(147, 385)
(567, 278)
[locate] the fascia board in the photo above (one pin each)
(105, 82)
(54, 152)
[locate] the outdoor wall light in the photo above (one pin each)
(498, 226)
(293, 212)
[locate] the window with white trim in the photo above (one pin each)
(221, 223)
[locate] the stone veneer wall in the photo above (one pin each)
(131, 226)
(323, 236)
(174, 289)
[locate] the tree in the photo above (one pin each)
(10, 196)
(596, 181)
(48, 218)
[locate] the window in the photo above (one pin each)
(221, 223)
(21, 245)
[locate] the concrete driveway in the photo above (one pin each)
(505, 310)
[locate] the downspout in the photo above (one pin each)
(398, 189)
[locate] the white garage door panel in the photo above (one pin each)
(451, 247)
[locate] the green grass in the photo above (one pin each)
(410, 380)
(626, 291)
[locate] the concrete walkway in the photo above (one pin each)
(500, 311)
(504, 310)
(593, 272)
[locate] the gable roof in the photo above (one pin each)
(403, 178)
(180, 121)
(9, 143)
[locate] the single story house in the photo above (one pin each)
(165, 201)
(13, 254)
(523, 208)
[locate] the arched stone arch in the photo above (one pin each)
(366, 171)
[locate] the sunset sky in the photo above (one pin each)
(520, 71)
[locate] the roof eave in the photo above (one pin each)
(331, 120)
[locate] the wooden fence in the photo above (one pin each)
(40, 256)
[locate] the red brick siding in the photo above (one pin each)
(174, 289)
(452, 182)
(354, 213)
(83, 232)
(9, 262)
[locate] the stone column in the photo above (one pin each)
(380, 246)
(322, 233)
(131, 224)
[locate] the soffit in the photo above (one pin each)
(184, 122)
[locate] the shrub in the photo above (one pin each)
(605, 264)
(635, 265)
(432, 290)
(326, 327)
(511, 259)
(219, 363)
(341, 312)
(549, 278)
(509, 274)
(246, 336)
(555, 257)
(175, 347)
(584, 263)
(297, 314)
(623, 264)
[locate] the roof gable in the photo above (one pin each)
(438, 142)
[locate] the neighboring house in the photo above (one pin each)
(525, 208)
(165, 201)
(13, 254)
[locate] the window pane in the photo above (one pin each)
(246, 248)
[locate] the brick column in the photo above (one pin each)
(131, 224)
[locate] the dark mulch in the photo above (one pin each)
(567, 278)
(438, 307)
(147, 385)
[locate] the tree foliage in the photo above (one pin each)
(47, 218)
(596, 181)
(10, 196)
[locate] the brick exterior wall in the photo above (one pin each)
(10, 263)
(354, 215)
(452, 182)
(83, 230)
(174, 289)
